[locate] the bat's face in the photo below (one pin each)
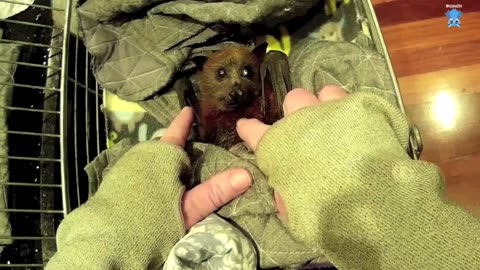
(230, 78)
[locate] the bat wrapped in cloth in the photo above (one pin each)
(236, 82)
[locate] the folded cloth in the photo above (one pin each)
(8, 10)
(316, 63)
(138, 57)
(213, 244)
(8, 54)
(254, 211)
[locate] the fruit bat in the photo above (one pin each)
(236, 82)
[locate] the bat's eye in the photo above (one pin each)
(247, 72)
(222, 73)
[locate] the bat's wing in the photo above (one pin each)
(187, 97)
(275, 68)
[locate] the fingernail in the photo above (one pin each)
(241, 180)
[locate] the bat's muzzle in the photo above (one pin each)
(238, 97)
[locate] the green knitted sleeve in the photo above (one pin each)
(351, 190)
(134, 219)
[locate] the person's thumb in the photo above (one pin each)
(211, 195)
(251, 131)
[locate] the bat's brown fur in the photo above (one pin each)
(218, 114)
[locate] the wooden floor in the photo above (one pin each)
(438, 69)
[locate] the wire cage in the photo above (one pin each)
(53, 108)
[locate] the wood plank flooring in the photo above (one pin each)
(438, 71)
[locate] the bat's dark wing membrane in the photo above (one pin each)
(187, 97)
(275, 68)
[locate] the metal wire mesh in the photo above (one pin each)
(54, 130)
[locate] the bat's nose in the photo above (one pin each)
(238, 96)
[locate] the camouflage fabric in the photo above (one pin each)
(212, 244)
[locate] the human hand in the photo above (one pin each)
(209, 196)
(251, 131)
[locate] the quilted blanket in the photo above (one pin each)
(137, 58)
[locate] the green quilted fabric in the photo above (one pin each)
(138, 57)
(315, 64)
(255, 210)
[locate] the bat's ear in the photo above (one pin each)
(199, 61)
(260, 51)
